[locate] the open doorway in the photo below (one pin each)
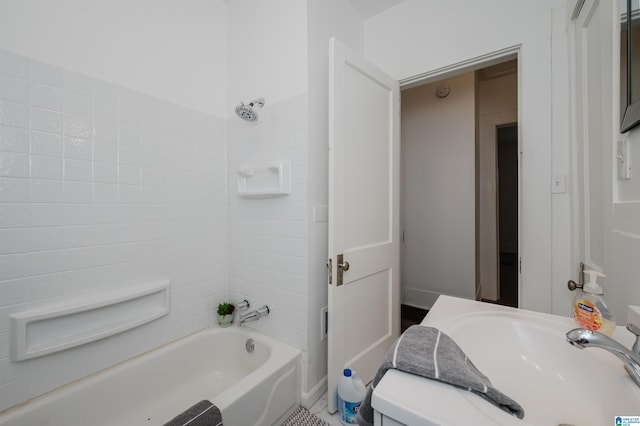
(507, 170)
(497, 184)
(450, 210)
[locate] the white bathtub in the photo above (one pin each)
(258, 388)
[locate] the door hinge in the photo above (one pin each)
(520, 265)
(330, 269)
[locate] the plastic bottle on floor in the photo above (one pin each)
(351, 393)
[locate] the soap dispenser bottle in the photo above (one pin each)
(589, 308)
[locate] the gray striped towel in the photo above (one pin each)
(204, 413)
(428, 352)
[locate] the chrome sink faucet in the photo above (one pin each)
(583, 338)
(254, 315)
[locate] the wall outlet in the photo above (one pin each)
(320, 213)
(559, 184)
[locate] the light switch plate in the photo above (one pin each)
(559, 184)
(622, 157)
(320, 213)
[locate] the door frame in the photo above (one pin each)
(469, 65)
(579, 72)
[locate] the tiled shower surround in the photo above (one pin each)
(268, 259)
(102, 186)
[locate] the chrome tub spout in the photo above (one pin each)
(254, 315)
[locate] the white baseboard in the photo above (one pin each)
(310, 398)
(419, 298)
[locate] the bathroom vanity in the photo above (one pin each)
(526, 355)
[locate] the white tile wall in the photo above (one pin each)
(268, 236)
(101, 186)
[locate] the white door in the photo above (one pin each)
(592, 126)
(364, 206)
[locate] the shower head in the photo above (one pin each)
(246, 112)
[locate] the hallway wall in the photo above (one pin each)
(438, 155)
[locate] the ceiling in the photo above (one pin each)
(366, 8)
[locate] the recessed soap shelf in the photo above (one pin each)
(270, 180)
(77, 320)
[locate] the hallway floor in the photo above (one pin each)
(509, 279)
(410, 315)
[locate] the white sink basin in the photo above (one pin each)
(526, 356)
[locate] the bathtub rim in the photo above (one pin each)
(279, 352)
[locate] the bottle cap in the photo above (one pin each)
(592, 286)
(347, 372)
